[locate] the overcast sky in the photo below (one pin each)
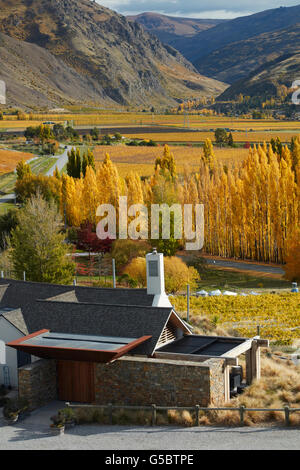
(196, 8)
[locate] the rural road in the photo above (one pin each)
(245, 266)
(60, 162)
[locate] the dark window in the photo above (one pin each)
(23, 358)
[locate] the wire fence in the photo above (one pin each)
(196, 409)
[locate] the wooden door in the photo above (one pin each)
(76, 382)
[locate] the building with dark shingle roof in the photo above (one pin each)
(81, 329)
(29, 307)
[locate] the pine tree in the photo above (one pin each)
(38, 246)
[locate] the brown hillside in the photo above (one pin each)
(119, 60)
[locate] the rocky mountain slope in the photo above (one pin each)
(266, 81)
(83, 49)
(36, 78)
(237, 60)
(170, 29)
(236, 30)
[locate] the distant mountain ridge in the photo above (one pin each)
(169, 29)
(238, 29)
(237, 60)
(241, 51)
(97, 54)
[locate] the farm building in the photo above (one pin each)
(120, 346)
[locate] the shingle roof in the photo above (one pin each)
(115, 296)
(20, 293)
(15, 317)
(84, 310)
(96, 319)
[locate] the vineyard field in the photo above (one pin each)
(9, 159)
(278, 315)
(141, 159)
(194, 121)
(193, 137)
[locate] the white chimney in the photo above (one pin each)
(156, 279)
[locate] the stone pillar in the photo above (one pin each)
(248, 367)
(226, 383)
(253, 363)
(37, 383)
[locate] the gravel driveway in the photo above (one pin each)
(33, 433)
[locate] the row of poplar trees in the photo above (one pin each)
(251, 209)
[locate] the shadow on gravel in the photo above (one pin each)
(25, 430)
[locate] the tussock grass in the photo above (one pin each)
(89, 415)
(278, 387)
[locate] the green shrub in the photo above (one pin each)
(14, 406)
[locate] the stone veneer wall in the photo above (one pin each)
(37, 382)
(143, 381)
(217, 381)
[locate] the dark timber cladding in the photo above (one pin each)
(76, 347)
(76, 381)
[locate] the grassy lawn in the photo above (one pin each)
(5, 207)
(42, 165)
(39, 166)
(7, 182)
(64, 169)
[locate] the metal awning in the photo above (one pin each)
(66, 346)
(203, 345)
(200, 348)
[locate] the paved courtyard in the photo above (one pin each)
(33, 433)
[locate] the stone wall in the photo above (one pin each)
(37, 382)
(134, 381)
(143, 381)
(217, 381)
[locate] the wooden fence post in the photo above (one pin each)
(153, 415)
(242, 413)
(110, 413)
(287, 415)
(197, 414)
